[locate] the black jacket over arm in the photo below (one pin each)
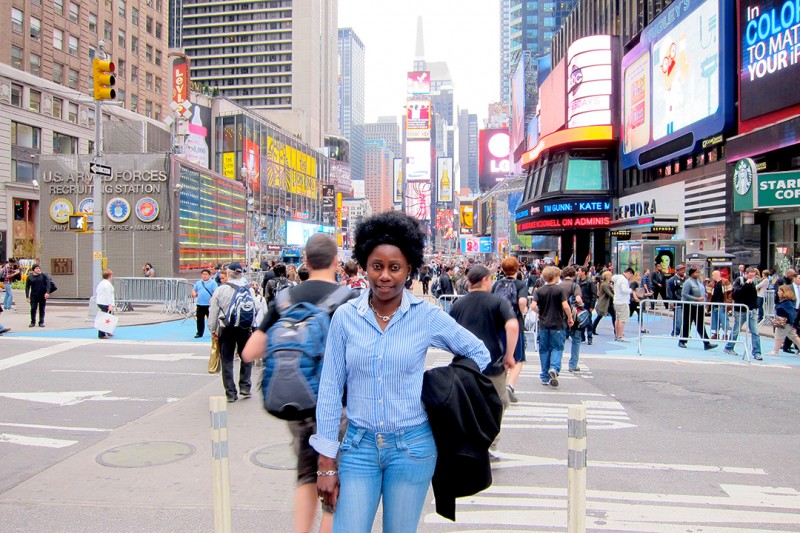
(464, 412)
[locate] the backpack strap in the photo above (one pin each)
(335, 299)
(282, 301)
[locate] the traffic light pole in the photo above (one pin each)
(97, 199)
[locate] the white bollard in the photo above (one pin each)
(219, 464)
(576, 469)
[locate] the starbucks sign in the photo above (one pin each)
(743, 174)
(765, 190)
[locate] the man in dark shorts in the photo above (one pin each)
(322, 263)
(551, 303)
(486, 316)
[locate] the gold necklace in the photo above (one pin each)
(385, 318)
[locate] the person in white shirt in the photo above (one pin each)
(104, 298)
(622, 300)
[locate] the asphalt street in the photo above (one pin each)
(114, 436)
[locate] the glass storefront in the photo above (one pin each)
(784, 244)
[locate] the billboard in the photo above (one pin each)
(397, 181)
(769, 58)
(677, 86)
(288, 168)
(518, 110)
(180, 82)
(444, 179)
(418, 82)
(418, 119)
(251, 160)
(589, 82)
(197, 147)
(418, 200)
(553, 90)
(467, 221)
(494, 147)
(418, 161)
(297, 233)
(445, 223)
(328, 205)
(474, 245)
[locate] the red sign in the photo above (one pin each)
(180, 81)
(494, 147)
(565, 223)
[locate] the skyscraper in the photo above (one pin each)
(379, 165)
(385, 130)
(505, 51)
(468, 150)
(352, 97)
(278, 58)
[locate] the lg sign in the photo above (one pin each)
(495, 147)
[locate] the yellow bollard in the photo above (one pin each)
(220, 468)
(576, 469)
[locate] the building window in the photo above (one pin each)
(16, 95)
(58, 73)
(158, 30)
(91, 147)
(25, 136)
(58, 39)
(148, 53)
(72, 83)
(121, 97)
(35, 101)
(158, 58)
(92, 23)
(108, 28)
(72, 113)
(134, 75)
(135, 45)
(148, 109)
(22, 172)
(73, 45)
(134, 103)
(109, 5)
(58, 7)
(74, 13)
(36, 28)
(121, 68)
(158, 5)
(121, 8)
(134, 16)
(64, 144)
(36, 65)
(121, 39)
(148, 81)
(58, 108)
(16, 20)
(91, 118)
(16, 57)
(158, 85)
(148, 25)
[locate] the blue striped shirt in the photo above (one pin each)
(383, 369)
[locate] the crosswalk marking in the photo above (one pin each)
(41, 442)
(601, 414)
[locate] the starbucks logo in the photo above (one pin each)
(743, 174)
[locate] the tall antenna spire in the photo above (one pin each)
(420, 52)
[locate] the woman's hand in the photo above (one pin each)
(328, 486)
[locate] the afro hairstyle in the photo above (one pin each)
(391, 227)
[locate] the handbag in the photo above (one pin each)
(779, 321)
(106, 322)
(213, 360)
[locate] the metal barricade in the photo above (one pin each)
(445, 301)
(681, 318)
(769, 308)
(175, 294)
(255, 277)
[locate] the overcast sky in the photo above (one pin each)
(463, 33)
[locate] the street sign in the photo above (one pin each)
(100, 170)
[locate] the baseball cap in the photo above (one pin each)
(680, 267)
(236, 266)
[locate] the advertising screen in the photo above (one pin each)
(466, 217)
(297, 233)
(444, 179)
(419, 82)
(518, 110)
(397, 180)
(665, 256)
(769, 53)
(197, 147)
(418, 200)
(677, 86)
(418, 161)
(212, 213)
(589, 85)
(474, 245)
(418, 119)
(493, 162)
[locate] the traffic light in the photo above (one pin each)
(104, 79)
(77, 223)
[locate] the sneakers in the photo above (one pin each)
(511, 396)
(546, 383)
(682, 345)
(32, 325)
(197, 336)
(709, 346)
(730, 351)
(589, 342)
(553, 378)
(576, 369)
(758, 357)
(41, 324)
(245, 394)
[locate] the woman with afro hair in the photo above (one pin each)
(376, 348)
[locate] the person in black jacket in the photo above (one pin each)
(744, 292)
(589, 294)
(658, 284)
(37, 291)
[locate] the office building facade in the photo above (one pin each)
(378, 179)
(352, 97)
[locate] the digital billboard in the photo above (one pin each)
(297, 233)
(418, 161)
(197, 147)
(589, 82)
(518, 110)
(467, 221)
(419, 82)
(418, 119)
(494, 147)
(444, 179)
(397, 181)
(418, 200)
(475, 245)
(552, 117)
(677, 86)
(769, 55)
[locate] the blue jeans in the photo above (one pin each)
(396, 466)
(9, 298)
(677, 323)
(575, 349)
(719, 320)
(739, 319)
(551, 350)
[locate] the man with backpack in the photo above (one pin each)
(278, 283)
(231, 317)
(319, 291)
(575, 298)
(516, 293)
